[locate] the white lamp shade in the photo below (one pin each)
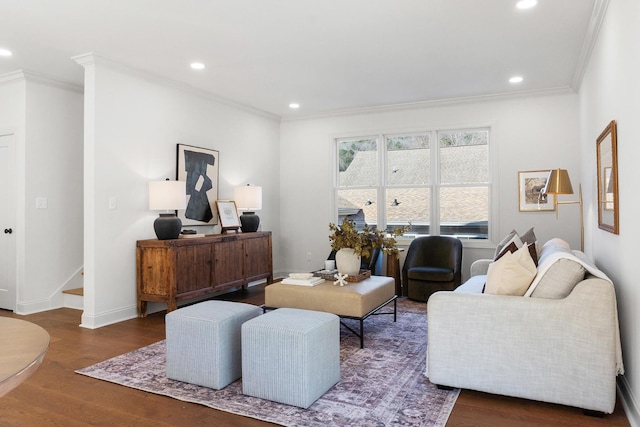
(248, 197)
(167, 195)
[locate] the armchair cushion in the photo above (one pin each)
(431, 274)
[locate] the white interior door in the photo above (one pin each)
(7, 225)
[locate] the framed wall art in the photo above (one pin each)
(199, 168)
(607, 160)
(530, 195)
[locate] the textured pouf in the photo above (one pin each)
(291, 356)
(203, 342)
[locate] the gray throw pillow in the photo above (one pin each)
(560, 279)
(528, 237)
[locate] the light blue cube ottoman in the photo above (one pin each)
(203, 342)
(290, 356)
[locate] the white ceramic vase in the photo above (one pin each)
(347, 262)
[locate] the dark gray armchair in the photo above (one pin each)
(433, 263)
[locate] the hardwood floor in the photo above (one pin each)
(56, 396)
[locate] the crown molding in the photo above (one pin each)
(591, 36)
(563, 90)
(12, 76)
(30, 76)
(91, 59)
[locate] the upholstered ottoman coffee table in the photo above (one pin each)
(203, 342)
(291, 356)
(356, 300)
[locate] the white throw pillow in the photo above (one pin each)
(511, 274)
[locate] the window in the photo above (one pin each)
(436, 182)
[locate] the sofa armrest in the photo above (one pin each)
(553, 350)
(480, 267)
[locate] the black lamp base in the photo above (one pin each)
(167, 226)
(250, 222)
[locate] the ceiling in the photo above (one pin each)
(326, 55)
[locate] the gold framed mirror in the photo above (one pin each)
(607, 153)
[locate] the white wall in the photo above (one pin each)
(47, 118)
(53, 171)
(528, 133)
(133, 123)
(609, 91)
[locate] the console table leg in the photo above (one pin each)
(142, 308)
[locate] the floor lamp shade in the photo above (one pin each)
(167, 196)
(560, 183)
(248, 198)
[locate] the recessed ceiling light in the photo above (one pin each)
(526, 4)
(294, 105)
(197, 65)
(5, 52)
(516, 79)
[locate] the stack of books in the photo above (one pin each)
(302, 279)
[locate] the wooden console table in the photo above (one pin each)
(172, 270)
(24, 345)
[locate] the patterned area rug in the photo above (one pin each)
(383, 384)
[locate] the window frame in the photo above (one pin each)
(435, 184)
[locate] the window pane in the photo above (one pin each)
(357, 162)
(358, 205)
(464, 157)
(408, 205)
(464, 211)
(408, 159)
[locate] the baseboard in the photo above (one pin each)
(629, 401)
(32, 307)
(108, 318)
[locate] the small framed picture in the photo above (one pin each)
(228, 214)
(530, 195)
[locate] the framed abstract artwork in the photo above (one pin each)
(199, 168)
(530, 195)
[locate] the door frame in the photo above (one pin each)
(12, 265)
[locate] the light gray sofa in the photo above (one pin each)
(559, 350)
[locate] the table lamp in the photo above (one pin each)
(167, 196)
(248, 198)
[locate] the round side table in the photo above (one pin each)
(22, 349)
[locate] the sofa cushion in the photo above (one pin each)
(475, 285)
(511, 274)
(560, 279)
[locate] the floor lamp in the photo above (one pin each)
(559, 183)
